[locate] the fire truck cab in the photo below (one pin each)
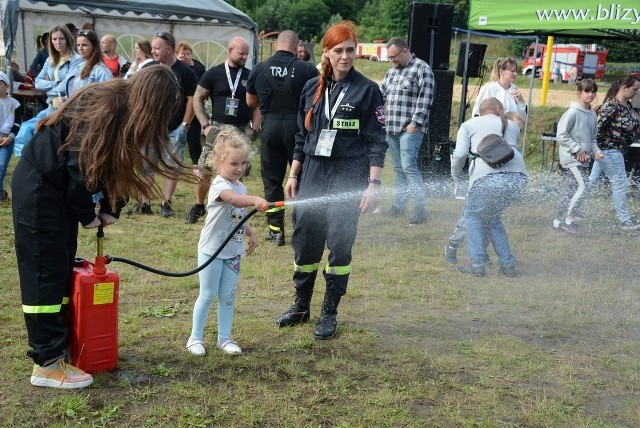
(589, 60)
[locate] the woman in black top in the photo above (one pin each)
(338, 159)
(95, 142)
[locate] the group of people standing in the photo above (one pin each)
(329, 128)
(598, 137)
(333, 124)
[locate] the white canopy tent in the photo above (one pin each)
(207, 24)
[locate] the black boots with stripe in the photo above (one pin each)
(300, 310)
(327, 324)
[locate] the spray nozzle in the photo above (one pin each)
(276, 204)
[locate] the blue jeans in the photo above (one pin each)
(5, 158)
(487, 199)
(218, 280)
(178, 138)
(613, 165)
(404, 149)
(178, 144)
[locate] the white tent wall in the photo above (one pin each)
(209, 39)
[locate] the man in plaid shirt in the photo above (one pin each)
(407, 89)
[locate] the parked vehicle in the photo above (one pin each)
(376, 51)
(590, 60)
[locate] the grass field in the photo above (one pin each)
(418, 344)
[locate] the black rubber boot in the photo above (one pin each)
(327, 324)
(299, 312)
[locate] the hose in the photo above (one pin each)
(199, 268)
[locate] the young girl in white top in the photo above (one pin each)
(228, 200)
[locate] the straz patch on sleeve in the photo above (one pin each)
(346, 124)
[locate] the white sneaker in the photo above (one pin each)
(196, 347)
(230, 347)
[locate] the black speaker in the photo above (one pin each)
(475, 61)
(434, 155)
(440, 113)
(430, 33)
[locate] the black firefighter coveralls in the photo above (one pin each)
(335, 184)
(49, 199)
(279, 128)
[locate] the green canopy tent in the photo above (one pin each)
(570, 18)
(575, 18)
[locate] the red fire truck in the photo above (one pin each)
(376, 51)
(589, 60)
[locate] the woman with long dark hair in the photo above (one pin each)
(62, 59)
(92, 70)
(337, 161)
(142, 57)
(97, 141)
(618, 128)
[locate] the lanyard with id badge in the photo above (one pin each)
(328, 136)
(232, 104)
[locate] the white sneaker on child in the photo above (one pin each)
(196, 347)
(230, 347)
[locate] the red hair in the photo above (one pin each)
(335, 35)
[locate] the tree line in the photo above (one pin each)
(379, 20)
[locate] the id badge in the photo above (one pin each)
(231, 107)
(325, 142)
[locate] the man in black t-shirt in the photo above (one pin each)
(163, 47)
(226, 85)
(275, 86)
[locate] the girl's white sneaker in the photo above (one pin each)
(230, 347)
(196, 347)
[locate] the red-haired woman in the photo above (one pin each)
(341, 142)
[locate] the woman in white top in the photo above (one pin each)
(501, 87)
(142, 56)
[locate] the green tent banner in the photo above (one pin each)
(549, 16)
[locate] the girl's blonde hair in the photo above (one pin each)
(228, 138)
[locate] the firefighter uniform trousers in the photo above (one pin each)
(335, 188)
(45, 269)
(276, 151)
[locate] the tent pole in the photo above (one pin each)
(531, 80)
(463, 95)
(24, 44)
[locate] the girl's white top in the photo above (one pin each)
(221, 219)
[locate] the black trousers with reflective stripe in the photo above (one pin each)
(45, 263)
(276, 152)
(333, 189)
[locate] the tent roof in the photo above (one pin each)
(569, 18)
(206, 10)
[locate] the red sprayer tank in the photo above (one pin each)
(93, 315)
